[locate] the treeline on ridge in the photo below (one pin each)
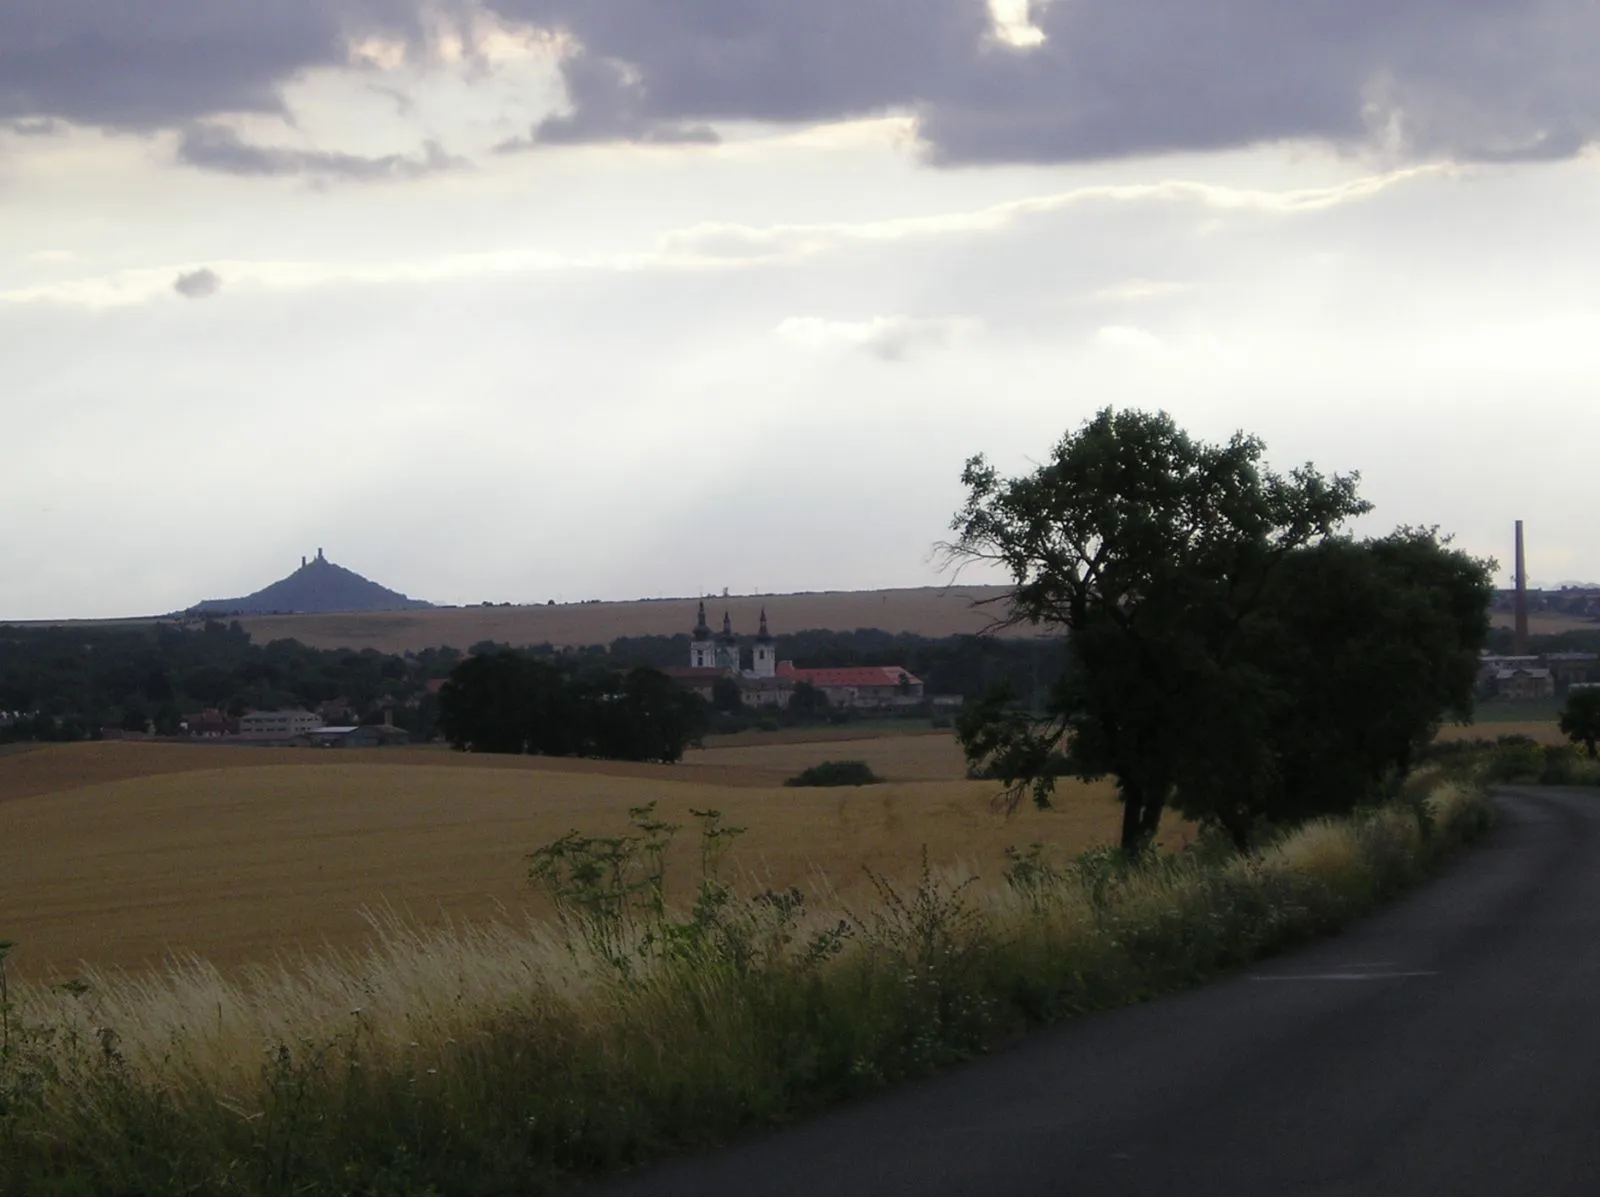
(69, 682)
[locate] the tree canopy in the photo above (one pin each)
(507, 702)
(1223, 641)
(1580, 720)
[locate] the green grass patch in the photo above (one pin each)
(1533, 710)
(516, 1060)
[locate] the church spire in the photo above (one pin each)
(764, 636)
(702, 630)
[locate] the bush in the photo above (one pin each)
(1513, 760)
(836, 773)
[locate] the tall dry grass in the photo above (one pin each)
(514, 1058)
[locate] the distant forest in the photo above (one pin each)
(70, 683)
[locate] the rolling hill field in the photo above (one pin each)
(930, 611)
(123, 854)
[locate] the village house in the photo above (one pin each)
(278, 724)
(1528, 677)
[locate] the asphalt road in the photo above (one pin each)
(1450, 1045)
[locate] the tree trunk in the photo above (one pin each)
(1131, 821)
(1141, 816)
(1238, 828)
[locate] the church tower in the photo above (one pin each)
(765, 663)
(727, 646)
(702, 652)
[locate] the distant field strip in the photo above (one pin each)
(929, 611)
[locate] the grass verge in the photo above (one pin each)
(501, 1060)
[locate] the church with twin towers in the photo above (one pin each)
(723, 650)
(765, 681)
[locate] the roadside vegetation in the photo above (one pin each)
(1518, 759)
(495, 1059)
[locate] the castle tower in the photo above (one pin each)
(702, 651)
(727, 653)
(765, 663)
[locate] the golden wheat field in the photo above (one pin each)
(1545, 624)
(122, 854)
(1544, 731)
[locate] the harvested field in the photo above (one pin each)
(119, 854)
(1545, 625)
(1545, 732)
(933, 756)
(929, 611)
(57, 767)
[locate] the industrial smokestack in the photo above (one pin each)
(1519, 639)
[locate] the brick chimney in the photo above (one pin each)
(1519, 637)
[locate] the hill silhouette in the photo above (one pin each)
(318, 587)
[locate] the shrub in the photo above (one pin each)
(836, 773)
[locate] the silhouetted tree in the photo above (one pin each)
(1148, 549)
(1580, 719)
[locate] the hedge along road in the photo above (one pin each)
(1449, 1045)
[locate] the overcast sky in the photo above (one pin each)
(530, 299)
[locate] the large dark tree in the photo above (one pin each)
(1355, 654)
(1148, 549)
(1580, 719)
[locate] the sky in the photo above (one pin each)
(517, 300)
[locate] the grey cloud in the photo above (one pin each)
(1474, 79)
(1489, 80)
(34, 128)
(706, 60)
(161, 63)
(609, 103)
(198, 284)
(211, 147)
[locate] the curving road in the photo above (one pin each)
(1450, 1045)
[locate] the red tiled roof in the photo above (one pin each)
(865, 675)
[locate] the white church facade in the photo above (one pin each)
(765, 681)
(724, 652)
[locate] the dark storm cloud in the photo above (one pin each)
(1496, 80)
(1481, 79)
(198, 284)
(608, 104)
(780, 60)
(35, 128)
(158, 63)
(1467, 78)
(211, 147)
